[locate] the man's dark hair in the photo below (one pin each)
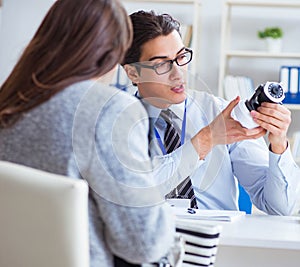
(147, 26)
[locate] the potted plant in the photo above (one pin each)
(273, 37)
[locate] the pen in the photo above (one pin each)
(191, 211)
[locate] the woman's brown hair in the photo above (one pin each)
(77, 40)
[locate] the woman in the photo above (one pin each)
(55, 117)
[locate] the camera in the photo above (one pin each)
(272, 92)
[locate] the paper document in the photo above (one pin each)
(212, 215)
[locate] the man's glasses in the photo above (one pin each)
(166, 65)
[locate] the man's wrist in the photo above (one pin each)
(279, 148)
(202, 142)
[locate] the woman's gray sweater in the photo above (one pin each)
(99, 134)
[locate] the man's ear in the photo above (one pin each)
(132, 73)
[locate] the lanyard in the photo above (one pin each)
(183, 127)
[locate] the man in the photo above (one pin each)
(215, 148)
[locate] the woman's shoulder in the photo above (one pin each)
(95, 94)
(104, 101)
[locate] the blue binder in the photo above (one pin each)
(290, 77)
(244, 201)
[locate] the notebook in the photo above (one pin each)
(212, 215)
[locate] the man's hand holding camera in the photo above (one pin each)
(268, 115)
(224, 130)
(276, 120)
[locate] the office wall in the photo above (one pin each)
(245, 24)
(21, 18)
(19, 21)
(0, 16)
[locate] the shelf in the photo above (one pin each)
(261, 54)
(196, 6)
(292, 106)
(164, 1)
(227, 52)
(289, 4)
(233, 55)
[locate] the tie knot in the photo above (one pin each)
(167, 115)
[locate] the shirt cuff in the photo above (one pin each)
(282, 164)
(189, 158)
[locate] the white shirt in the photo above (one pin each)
(270, 179)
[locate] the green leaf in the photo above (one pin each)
(273, 32)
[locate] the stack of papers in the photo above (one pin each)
(238, 85)
(212, 215)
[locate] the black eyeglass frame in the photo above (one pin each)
(170, 61)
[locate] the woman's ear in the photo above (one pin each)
(132, 73)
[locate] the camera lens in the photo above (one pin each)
(275, 90)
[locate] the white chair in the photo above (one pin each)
(43, 219)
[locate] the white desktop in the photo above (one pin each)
(256, 240)
(259, 241)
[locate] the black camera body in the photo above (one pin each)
(271, 92)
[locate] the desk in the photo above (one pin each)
(260, 241)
